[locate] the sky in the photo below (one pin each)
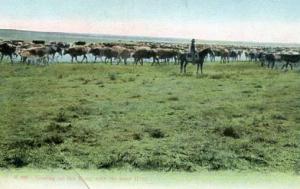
(228, 20)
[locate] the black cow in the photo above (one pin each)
(7, 49)
(290, 59)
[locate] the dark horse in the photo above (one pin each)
(198, 59)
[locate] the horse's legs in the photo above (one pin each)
(185, 64)
(181, 66)
(201, 66)
(198, 66)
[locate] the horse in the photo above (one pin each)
(186, 58)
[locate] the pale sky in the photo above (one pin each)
(234, 20)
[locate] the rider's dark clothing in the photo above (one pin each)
(193, 48)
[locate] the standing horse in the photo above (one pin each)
(198, 59)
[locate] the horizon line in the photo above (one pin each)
(148, 36)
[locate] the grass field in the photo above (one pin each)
(237, 116)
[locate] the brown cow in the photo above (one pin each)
(41, 53)
(76, 51)
(123, 53)
(109, 53)
(167, 54)
(144, 52)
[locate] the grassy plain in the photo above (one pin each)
(237, 116)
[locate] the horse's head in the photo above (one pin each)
(211, 52)
(206, 51)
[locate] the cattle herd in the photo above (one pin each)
(40, 52)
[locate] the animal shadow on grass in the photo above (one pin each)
(155, 133)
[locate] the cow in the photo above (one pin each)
(109, 53)
(123, 53)
(53, 49)
(233, 55)
(40, 42)
(96, 51)
(143, 52)
(224, 55)
(290, 59)
(79, 43)
(167, 54)
(7, 49)
(76, 51)
(39, 53)
(270, 59)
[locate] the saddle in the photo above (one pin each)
(190, 57)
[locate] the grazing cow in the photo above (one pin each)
(290, 59)
(239, 53)
(52, 49)
(247, 56)
(233, 55)
(79, 43)
(140, 54)
(260, 56)
(224, 55)
(167, 54)
(17, 42)
(40, 42)
(41, 53)
(123, 53)
(270, 59)
(216, 53)
(26, 55)
(252, 56)
(96, 51)
(76, 51)
(109, 53)
(7, 49)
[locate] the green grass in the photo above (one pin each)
(237, 116)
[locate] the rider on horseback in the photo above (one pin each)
(192, 49)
